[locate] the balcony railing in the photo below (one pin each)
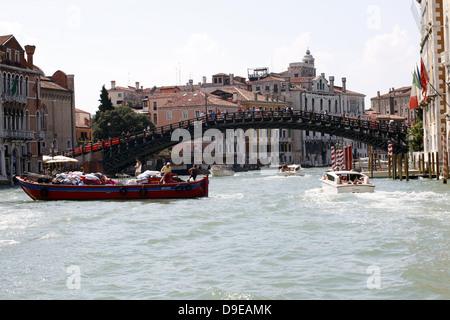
(8, 97)
(18, 134)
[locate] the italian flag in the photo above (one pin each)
(415, 92)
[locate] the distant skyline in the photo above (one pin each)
(374, 44)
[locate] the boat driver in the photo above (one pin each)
(166, 170)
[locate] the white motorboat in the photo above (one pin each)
(346, 182)
(221, 171)
(291, 170)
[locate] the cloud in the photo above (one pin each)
(200, 56)
(386, 62)
(390, 48)
(16, 29)
(291, 53)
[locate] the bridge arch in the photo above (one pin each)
(119, 153)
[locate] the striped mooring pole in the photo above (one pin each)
(333, 158)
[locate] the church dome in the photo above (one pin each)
(308, 58)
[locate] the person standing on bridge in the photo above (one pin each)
(138, 167)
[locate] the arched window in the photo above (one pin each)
(27, 120)
(44, 117)
(21, 120)
(38, 121)
(4, 82)
(55, 144)
(21, 86)
(26, 87)
(8, 83)
(38, 89)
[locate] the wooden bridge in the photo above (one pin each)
(119, 153)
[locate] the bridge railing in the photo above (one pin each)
(251, 115)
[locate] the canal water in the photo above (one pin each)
(257, 236)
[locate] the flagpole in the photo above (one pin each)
(439, 94)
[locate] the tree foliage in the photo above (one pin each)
(417, 132)
(105, 101)
(111, 123)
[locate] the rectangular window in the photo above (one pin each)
(197, 113)
(155, 107)
(169, 115)
(185, 114)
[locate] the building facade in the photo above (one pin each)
(20, 112)
(83, 126)
(394, 103)
(128, 96)
(308, 91)
(435, 54)
(37, 112)
(58, 109)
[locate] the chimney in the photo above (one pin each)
(232, 79)
(344, 84)
(204, 80)
(256, 96)
(309, 84)
(378, 94)
(331, 84)
(113, 85)
(30, 52)
(235, 97)
(137, 86)
(191, 85)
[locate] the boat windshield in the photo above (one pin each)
(351, 177)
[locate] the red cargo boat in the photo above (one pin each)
(152, 190)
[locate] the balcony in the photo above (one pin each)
(18, 134)
(7, 97)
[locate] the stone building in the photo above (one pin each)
(435, 54)
(58, 108)
(83, 126)
(20, 112)
(36, 111)
(394, 103)
(128, 96)
(305, 90)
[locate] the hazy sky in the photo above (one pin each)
(374, 44)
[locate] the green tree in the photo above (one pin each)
(111, 123)
(105, 101)
(417, 132)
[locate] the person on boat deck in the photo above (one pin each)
(284, 167)
(165, 171)
(194, 171)
(138, 167)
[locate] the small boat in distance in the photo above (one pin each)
(221, 171)
(291, 170)
(346, 182)
(173, 188)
